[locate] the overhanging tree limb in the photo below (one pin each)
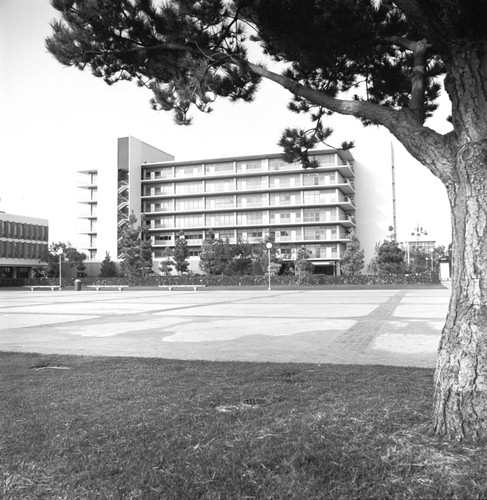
(398, 122)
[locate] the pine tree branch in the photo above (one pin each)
(377, 113)
(416, 104)
(401, 123)
(413, 11)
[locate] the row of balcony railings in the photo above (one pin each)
(263, 215)
(230, 203)
(248, 184)
(280, 235)
(221, 221)
(239, 167)
(313, 252)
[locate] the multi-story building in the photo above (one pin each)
(23, 243)
(243, 198)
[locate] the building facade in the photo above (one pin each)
(23, 243)
(241, 198)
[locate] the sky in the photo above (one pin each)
(56, 121)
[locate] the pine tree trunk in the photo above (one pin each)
(461, 375)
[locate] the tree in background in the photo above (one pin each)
(302, 266)
(353, 259)
(136, 249)
(380, 61)
(166, 265)
(108, 268)
(215, 255)
(240, 258)
(181, 254)
(261, 254)
(71, 255)
(389, 259)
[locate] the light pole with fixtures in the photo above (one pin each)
(269, 246)
(60, 254)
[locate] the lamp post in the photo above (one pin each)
(269, 246)
(432, 251)
(60, 254)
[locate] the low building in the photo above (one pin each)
(23, 243)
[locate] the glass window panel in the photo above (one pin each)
(184, 221)
(220, 219)
(220, 185)
(250, 166)
(189, 171)
(219, 202)
(219, 168)
(279, 164)
(252, 183)
(252, 200)
(189, 187)
(189, 204)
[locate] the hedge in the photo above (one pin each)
(428, 278)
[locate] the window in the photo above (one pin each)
(252, 218)
(164, 222)
(184, 221)
(252, 183)
(159, 190)
(162, 206)
(193, 236)
(220, 219)
(327, 160)
(226, 234)
(189, 204)
(285, 199)
(279, 164)
(222, 185)
(219, 202)
(189, 171)
(251, 200)
(250, 166)
(219, 168)
(312, 215)
(189, 187)
(285, 181)
(321, 196)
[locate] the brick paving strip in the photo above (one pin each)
(359, 336)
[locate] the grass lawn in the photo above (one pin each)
(80, 428)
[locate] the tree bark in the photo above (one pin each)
(461, 375)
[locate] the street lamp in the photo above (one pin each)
(269, 246)
(60, 254)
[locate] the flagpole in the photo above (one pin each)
(393, 171)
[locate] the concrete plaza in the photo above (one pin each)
(392, 327)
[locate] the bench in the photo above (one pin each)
(98, 287)
(41, 287)
(170, 287)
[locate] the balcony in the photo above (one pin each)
(347, 187)
(347, 203)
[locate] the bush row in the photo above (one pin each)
(428, 278)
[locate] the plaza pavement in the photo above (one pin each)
(389, 326)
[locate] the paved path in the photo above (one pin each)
(392, 327)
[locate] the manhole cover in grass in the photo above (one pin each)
(245, 404)
(254, 402)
